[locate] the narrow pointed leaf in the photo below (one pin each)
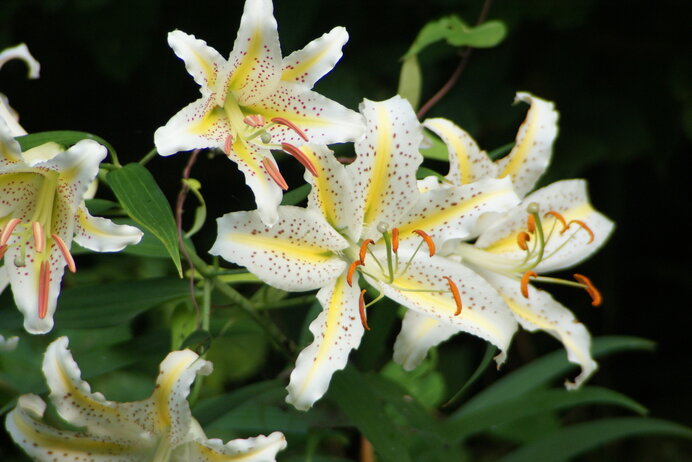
(410, 81)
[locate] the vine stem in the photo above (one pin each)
(454, 78)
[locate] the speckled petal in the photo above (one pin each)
(384, 171)
(322, 120)
(296, 254)
(259, 449)
(452, 212)
(202, 62)
(307, 66)
(423, 288)
(101, 234)
(541, 312)
(418, 334)
(201, 124)
(337, 331)
(48, 444)
(331, 191)
(533, 145)
(569, 198)
(255, 62)
(467, 163)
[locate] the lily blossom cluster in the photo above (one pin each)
(42, 192)
(158, 429)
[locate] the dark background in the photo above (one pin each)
(620, 73)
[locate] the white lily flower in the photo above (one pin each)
(158, 429)
(256, 101)
(552, 229)
(7, 114)
(369, 220)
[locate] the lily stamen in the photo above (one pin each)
(351, 270)
(525, 282)
(560, 218)
(291, 125)
(43, 289)
(455, 293)
(361, 310)
(255, 120)
(39, 236)
(7, 231)
(364, 249)
(522, 238)
(273, 172)
(428, 240)
(585, 227)
(300, 157)
(65, 252)
(228, 145)
(531, 223)
(594, 293)
(3, 250)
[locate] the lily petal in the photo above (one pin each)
(102, 235)
(202, 62)
(423, 289)
(541, 312)
(533, 146)
(337, 330)
(43, 442)
(569, 198)
(467, 163)
(255, 62)
(259, 449)
(323, 121)
(384, 171)
(10, 151)
(452, 212)
(418, 334)
(331, 191)
(297, 253)
(10, 343)
(7, 114)
(307, 66)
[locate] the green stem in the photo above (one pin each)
(149, 155)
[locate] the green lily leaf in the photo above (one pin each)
(411, 81)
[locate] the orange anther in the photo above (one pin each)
(560, 218)
(3, 250)
(455, 293)
(361, 310)
(39, 236)
(531, 223)
(522, 238)
(585, 227)
(364, 249)
(7, 231)
(65, 252)
(351, 270)
(596, 298)
(525, 282)
(228, 145)
(301, 157)
(274, 174)
(395, 239)
(255, 120)
(291, 125)
(43, 289)
(428, 240)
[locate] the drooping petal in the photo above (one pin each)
(418, 334)
(77, 404)
(423, 288)
(202, 62)
(258, 449)
(42, 153)
(297, 253)
(571, 200)
(7, 114)
(331, 191)
(452, 212)
(255, 62)
(307, 66)
(337, 330)
(10, 343)
(322, 120)
(201, 124)
(384, 172)
(533, 145)
(467, 163)
(45, 443)
(101, 234)
(541, 312)
(21, 52)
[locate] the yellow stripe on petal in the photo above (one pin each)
(379, 179)
(212, 123)
(291, 249)
(241, 74)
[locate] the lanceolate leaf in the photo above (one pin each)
(63, 137)
(577, 439)
(410, 81)
(143, 200)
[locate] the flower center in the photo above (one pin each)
(390, 268)
(534, 242)
(256, 130)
